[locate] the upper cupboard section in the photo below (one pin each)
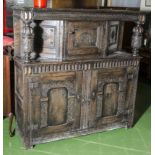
(65, 40)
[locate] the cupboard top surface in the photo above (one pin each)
(81, 14)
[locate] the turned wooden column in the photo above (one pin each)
(137, 36)
(27, 34)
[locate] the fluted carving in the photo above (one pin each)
(48, 68)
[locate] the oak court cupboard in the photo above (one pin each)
(71, 76)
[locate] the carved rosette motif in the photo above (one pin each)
(27, 34)
(137, 36)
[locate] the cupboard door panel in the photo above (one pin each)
(85, 39)
(47, 41)
(57, 106)
(113, 36)
(110, 99)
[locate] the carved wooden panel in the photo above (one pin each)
(47, 42)
(113, 35)
(111, 94)
(54, 102)
(69, 66)
(57, 106)
(49, 36)
(110, 99)
(84, 38)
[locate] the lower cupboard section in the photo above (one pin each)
(69, 104)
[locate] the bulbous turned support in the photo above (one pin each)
(27, 34)
(137, 36)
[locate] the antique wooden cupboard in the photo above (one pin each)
(71, 76)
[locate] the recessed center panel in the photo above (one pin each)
(57, 106)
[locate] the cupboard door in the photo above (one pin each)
(55, 105)
(111, 93)
(85, 39)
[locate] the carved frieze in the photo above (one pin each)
(77, 66)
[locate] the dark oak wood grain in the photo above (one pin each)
(71, 76)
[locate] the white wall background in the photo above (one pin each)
(126, 3)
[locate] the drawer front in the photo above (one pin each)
(85, 39)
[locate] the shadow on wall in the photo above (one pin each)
(38, 39)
